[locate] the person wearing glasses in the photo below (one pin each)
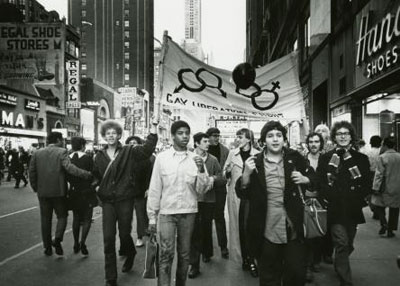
(345, 181)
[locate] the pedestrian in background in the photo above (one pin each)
(178, 177)
(2, 163)
(114, 167)
(270, 182)
(47, 174)
(386, 185)
(81, 196)
(201, 243)
(373, 157)
(21, 160)
(345, 181)
(220, 152)
(323, 129)
(239, 208)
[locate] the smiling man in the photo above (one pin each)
(178, 177)
(114, 169)
(345, 181)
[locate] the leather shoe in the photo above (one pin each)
(77, 247)
(194, 272)
(48, 251)
(383, 230)
(128, 264)
(245, 265)
(328, 259)
(225, 253)
(111, 283)
(57, 246)
(84, 250)
(390, 234)
(206, 259)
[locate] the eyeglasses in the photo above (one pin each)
(343, 134)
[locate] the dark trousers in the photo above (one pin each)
(171, 227)
(243, 215)
(219, 218)
(142, 221)
(343, 239)
(282, 264)
(19, 175)
(47, 206)
(117, 213)
(81, 217)
(393, 217)
(202, 234)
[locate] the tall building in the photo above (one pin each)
(192, 43)
(33, 11)
(117, 41)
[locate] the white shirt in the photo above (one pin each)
(174, 184)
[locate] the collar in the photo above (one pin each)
(119, 146)
(80, 154)
(266, 157)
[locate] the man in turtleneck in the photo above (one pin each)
(221, 153)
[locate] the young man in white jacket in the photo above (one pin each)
(178, 176)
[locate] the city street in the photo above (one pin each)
(23, 263)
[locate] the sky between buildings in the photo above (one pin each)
(223, 26)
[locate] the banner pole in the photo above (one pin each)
(164, 47)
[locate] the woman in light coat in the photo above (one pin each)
(387, 187)
(238, 209)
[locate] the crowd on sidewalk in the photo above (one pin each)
(179, 192)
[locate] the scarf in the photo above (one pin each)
(335, 166)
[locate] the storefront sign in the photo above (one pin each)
(73, 99)
(92, 103)
(12, 119)
(32, 51)
(127, 96)
(375, 45)
(32, 105)
(8, 99)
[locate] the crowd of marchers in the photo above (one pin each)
(179, 192)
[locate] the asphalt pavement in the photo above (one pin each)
(22, 262)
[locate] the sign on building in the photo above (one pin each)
(128, 95)
(73, 98)
(32, 51)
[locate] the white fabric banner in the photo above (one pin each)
(191, 84)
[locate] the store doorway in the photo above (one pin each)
(320, 104)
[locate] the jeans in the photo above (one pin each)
(117, 213)
(283, 264)
(343, 238)
(202, 234)
(393, 217)
(142, 220)
(47, 205)
(219, 218)
(171, 226)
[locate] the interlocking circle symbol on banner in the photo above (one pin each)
(259, 92)
(200, 80)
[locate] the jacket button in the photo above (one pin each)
(294, 194)
(352, 188)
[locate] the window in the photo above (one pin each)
(127, 66)
(84, 67)
(117, 23)
(126, 2)
(126, 56)
(126, 13)
(126, 34)
(341, 61)
(126, 76)
(83, 2)
(126, 23)
(83, 13)
(342, 85)
(117, 66)
(83, 54)
(126, 45)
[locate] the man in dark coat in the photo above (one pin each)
(220, 152)
(270, 182)
(345, 181)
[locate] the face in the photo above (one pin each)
(324, 132)
(242, 140)
(111, 137)
(133, 142)
(204, 144)
(274, 141)
(214, 139)
(314, 144)
(181, 137)
(343, 137)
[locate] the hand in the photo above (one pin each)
(97, 189)
(250, 165)
(146, 193)
(199, 163)
(152, 229)
(298, 178)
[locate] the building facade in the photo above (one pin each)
(192, 42)
(117, 41)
